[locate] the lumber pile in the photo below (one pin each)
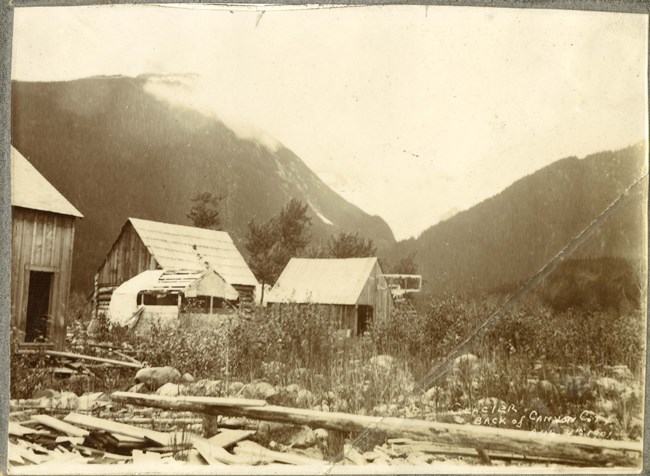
(84, 439)
(253, 433)
(486, 442)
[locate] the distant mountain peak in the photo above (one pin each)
(505, 239)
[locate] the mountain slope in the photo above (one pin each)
(115, 151)
(505, 239)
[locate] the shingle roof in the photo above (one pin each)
(322, 281)
(176, 280)
(29, 189)
(187, 247)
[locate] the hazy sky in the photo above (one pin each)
(406, 111)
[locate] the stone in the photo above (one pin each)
(67, 400)
(385, 362)
(156, 377)
(235, 387)
(305, 398)
(172, 390)
(138, 388)
(621, 372)
(465, 359)
(302, 437)
(45, 393)
(265, 390)
(93, 328)
(293, 388)
(187, 378)
(321, 434)
(609, 384)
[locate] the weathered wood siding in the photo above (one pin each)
(376, 293)
(41, 241)
(127, 258)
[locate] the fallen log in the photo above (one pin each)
(593, 451)
(68, 355)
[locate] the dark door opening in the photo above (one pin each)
(38, 306)
(364, 316)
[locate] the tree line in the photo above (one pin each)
(272, 243)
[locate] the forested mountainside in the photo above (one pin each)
(116, 151)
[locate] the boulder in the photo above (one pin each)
(301, 437)
(93, 328)
(465, 359)
(45, 393)
(293, 388)
(609, 384)
(138, 388)
(172, 390)
(235, 387)
(207, 388)
(265, 390)
(321, 434)
(187, 378)
(385, 362)
(156, 377)
(305, 399)
(67, 400)
(621, 372)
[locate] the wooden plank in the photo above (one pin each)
(59, 425)
(140, 457)
(75, 440)
(16, 429)
(13, 453)
(591, 450)
(163, 439)
(254, 449)
(103, 454)
(226, 438)
(215, 455)
(68, 355)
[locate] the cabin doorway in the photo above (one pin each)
(38, 306)
(364, 316)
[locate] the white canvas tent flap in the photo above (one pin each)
(124, 301)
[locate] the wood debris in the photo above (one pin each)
(40, 438)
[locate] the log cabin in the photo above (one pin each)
(144, 245)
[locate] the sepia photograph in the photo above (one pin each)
(346, 239)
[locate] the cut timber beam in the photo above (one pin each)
(59, 425)
(68, 355)
(163, 439)
(594, 451)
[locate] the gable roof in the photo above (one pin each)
(188, 247)
(322, 281)
(29, 189)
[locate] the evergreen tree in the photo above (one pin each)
(350, 245)
(205, 213)
(272, 244)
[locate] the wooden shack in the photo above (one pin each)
(352, 289)
(43, 225)
(148, 245)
